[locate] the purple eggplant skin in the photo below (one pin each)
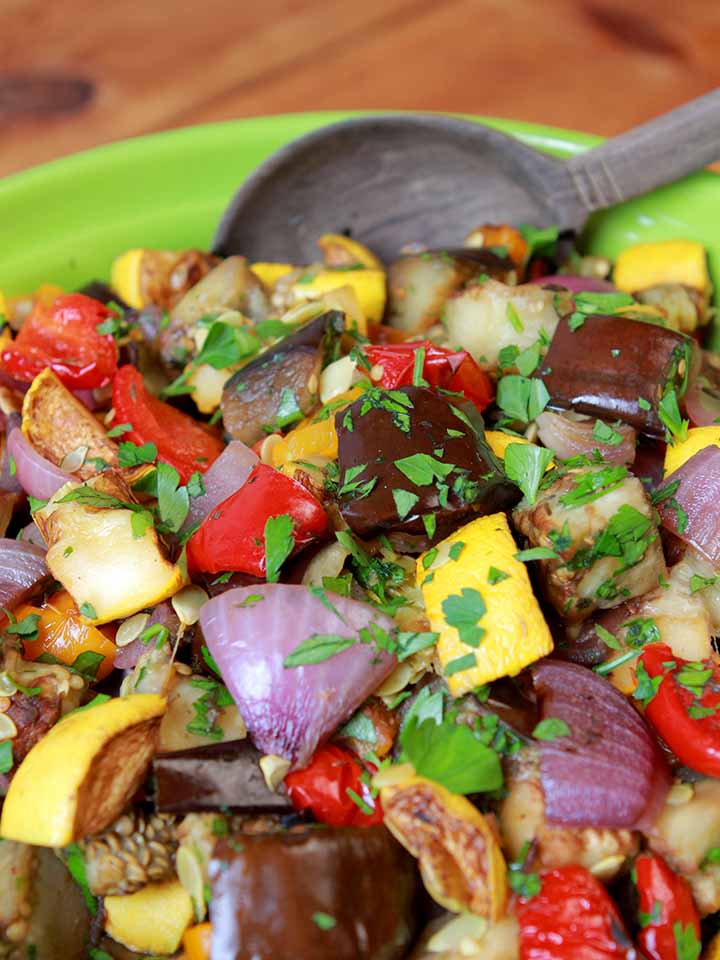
(383, 427)
(272, 894)
(214, 777)
(265, 394)
(617, 369)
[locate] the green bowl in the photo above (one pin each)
(65, 221)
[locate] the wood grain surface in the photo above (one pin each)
(79, 73)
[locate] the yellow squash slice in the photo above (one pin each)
(152, 920)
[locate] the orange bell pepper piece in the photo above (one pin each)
(63, 634)
(196, 941)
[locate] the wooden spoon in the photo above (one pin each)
(395, 179)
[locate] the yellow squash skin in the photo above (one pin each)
(458, 851)
(369, 287)
(126, 277)
(152, 920)
(41, 806)
(270, 273)
(667, 261)
(515, 630)
(697, 439)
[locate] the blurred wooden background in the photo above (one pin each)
(79, 73)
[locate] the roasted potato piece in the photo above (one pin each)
(420, 284)
(61, 428)
(230, 286)
(486, 317)
(111, 567)
(77, 779)
(184, 693)
(467, 937)
(685, 308)
(601, 524)
(458, 851)
(280, 386)
(162, 277)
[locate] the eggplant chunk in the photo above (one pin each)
(223, 775)
(280, 386)
(485, 318)
(419, 284)
(330, 893)
(230, 286)
(410, 462)
(601, 525)
(615, 368)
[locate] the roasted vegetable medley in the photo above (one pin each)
(363, 612)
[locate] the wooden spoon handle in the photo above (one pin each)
(656, 153)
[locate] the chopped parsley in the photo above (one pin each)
(550, 729)
(449, 752)
(496, 576)
(522, 398)
(404, 502)
(279, 544)
(525, 464)
(323, 920)
(513, 317)
(604, 433)
(459, 664)
(463, 611)
(676, 429)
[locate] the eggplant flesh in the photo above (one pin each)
(270, 892)
(420, 283)
(214, 777)
(376, 433)
(616, 368)
(276, 388)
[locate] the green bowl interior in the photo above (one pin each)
(65, 221)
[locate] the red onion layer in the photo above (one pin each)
(22, 570)
(38, 477)
(609, 771)
(697, 522)
(227, 474)
(570, 437)
(290, 710)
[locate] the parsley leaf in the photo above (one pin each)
(669, 413)
(132, 455)
(536, 553)
(6, 756)
(75, 862)
(496, 576)
(647, 686)
(522, 398)
(701, 583)
(323, 920)
(404, 502)
(459, 664)
(687, 945)
(451, 755)
(88, 610)
(463, 611)
(317, 648)
(173, 500)
(550, 729)
(514, 317)
(279, 544)
(525, 464)
(604, 433)
(422, 469)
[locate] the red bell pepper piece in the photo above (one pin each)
(451, 370)
(685, 708)
(571, 918)
(232, 536)
(181, 441)
(334, 787)
(64, 337)
(669, 921)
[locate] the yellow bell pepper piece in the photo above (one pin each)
(667, 261)
(499, 442)
(3, 306)
(458, 852)
(126, 277)
(515, 630)
(369, 287)
(697, 439)
(62, 632)
(313, 437)
(270, 273)
(152, 920)
(197, 942)
(340, 251)
(79, 776)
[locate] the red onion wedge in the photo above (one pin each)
(227, 474)
(250, 631)
(609, 770)
(38, 477)
(570, 435)
(22, 570)
(691, 505)
(577, 284)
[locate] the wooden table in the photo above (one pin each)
(81, 73)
